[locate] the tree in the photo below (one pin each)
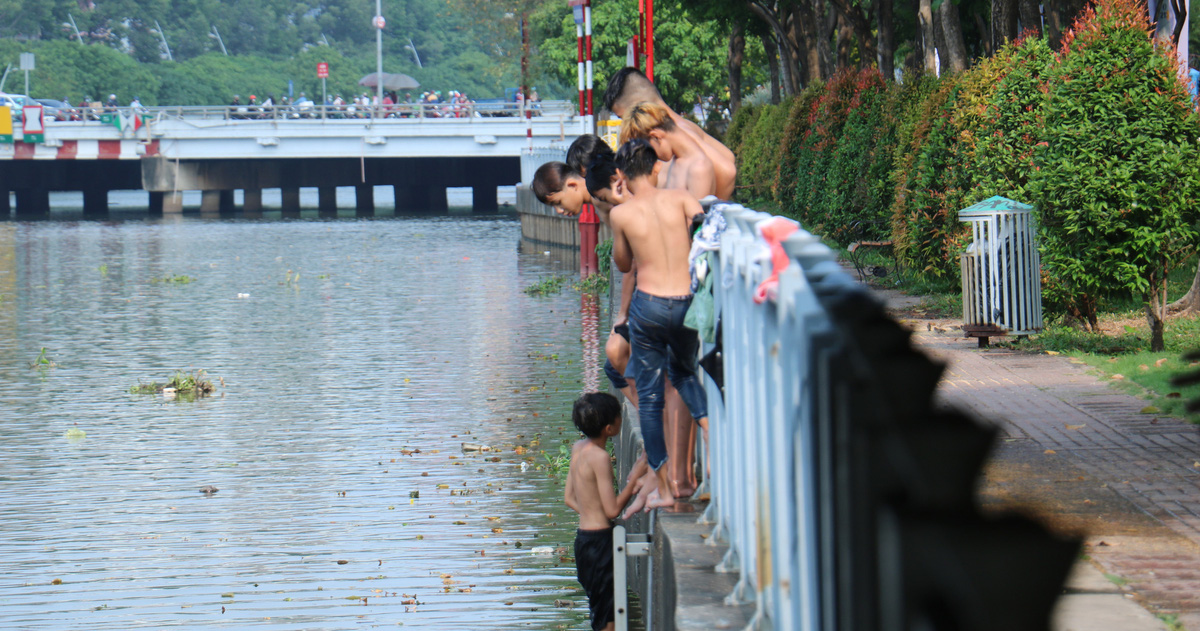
(1117, 179)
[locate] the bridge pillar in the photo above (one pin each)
(364, 200)
(252, 200)
(210, 202)
(33, 202)
(327, 201)
(484, 198)
(172, 203)
(95, 202)
(291, 200)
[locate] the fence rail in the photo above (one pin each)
(846, 500)
(399, 112)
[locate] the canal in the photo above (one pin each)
(352, 360)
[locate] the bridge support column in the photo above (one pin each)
(364, 200)
(172, 203)
(252, 200)
(33, 202)
(291, 200)
(327, 201)
(210, 202)
(95, 202)
(484, 198)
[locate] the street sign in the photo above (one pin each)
(379, 22)
(27, 61)
(322, 70)
(33, 129)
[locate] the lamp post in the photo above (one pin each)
(413, 48)
(379, 24)
(72, 25)
(164, 40)
(215, 34)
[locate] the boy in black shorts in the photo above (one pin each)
(590, 493)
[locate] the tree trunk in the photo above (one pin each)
(939, 40)
(986, 34)
(737, 54)
(1054, 22)
(786, 55)
(1156, 312)
(1190, 302)
(887, 43)
(956, 49)
(845, 39)
(928, 40)
(1031, 17)
(1004, 23)
(772, 51)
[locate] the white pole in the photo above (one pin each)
(77, 35)
(589, 121)
(163, 35)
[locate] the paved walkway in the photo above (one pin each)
(1084, 456)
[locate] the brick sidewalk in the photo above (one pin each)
(1080, 422)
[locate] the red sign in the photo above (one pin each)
(322, 70)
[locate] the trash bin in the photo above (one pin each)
(1001, 271)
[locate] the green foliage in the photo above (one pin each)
(742, 122)
(1117, 177)
(794, 132)
(546, 286)
(758, 164)
(173, 279)
(183, 385)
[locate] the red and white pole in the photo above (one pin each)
(587, 42)
(649, 39)
(579, 72)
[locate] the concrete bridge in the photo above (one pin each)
(418, 150)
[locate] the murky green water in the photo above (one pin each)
(356, 357)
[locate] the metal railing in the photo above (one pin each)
(847, 501)
(561, 110)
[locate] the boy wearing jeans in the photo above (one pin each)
(653, 227)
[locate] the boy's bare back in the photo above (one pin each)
(653, 228)
(590, 486)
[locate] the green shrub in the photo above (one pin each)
(857, 196)
(1117, 178)
(815, 154)
(761, 153)
(742, 122)
(794, 131)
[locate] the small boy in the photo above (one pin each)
(590, 493)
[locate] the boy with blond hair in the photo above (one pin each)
(688, 167)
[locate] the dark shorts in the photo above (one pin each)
(594, 566)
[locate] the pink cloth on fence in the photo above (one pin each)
(774, 231)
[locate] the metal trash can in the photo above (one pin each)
(1001, 271)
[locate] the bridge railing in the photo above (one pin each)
(846, 500)
(561, 110)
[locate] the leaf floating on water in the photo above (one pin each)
(424, 474)
(227, 595)
(414, 494)
(460, 523)
(510, 571)
(1080, 426)
(75, 434)
(497, 530)
(342, 562)
(492, 518)
(420, 537)
(57, 581)
(564, 603)
(443, 486)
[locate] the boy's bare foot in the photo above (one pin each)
(638, 503)
(658, 501)
(684, 489)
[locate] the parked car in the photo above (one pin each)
(58, 110)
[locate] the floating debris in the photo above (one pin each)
(209, 489)
(187, 386)
(467, 447)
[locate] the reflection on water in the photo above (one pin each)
(356, 357)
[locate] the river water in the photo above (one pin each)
(352, 359)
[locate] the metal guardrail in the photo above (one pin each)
(562, 110)
(846, 499)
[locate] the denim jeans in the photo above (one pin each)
(661, 341)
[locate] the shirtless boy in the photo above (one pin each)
(629, 86)
(590, 493)
(652, 227)
(688, 167)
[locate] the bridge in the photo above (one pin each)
(419, 150)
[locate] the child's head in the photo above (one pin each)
(636, 159)
(555, 184)
(584, 150)
(604, 179)
(652, 122)
(596, 412)
(628, 87)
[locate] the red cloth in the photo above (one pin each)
(774, 231)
